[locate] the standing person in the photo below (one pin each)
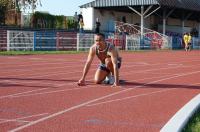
(124, 19)
(189, 41)
(97, 25)
(185, 39)
(81, 26)
(76, 21)
(110, 62)
(80, 16)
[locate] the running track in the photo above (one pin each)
(38, 93)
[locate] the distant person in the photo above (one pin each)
(76, 21)
(124, 19)
(110, 62)
(80, 16)
(81, 26)
(189, 41)
(97, 26)
(186, 41)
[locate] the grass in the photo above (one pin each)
(194, 123)
(37, 52)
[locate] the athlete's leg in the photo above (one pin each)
(104, 70)
(189, 46)
(186, 46)
(109, 64)
(101, 74)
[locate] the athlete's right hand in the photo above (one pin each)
(81, 82)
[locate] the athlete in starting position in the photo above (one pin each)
(110, 62)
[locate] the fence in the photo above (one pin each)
(3, 40)
(20, 40)
(60, 40)
(66, 41)
(196, 43)
(84, 41)
(45, 41)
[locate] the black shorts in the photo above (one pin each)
(104, 68)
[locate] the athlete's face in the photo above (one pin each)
(99, 40)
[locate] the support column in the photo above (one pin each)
(183, 26)
(164, 21)
(142, 21)
(199, 30)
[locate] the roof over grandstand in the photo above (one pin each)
(193, 5)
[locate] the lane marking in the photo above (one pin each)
(129, 97)
(184, 74)
(91, 101)
(55, 91)
(21, 118)
(66, 110)
(12, 95)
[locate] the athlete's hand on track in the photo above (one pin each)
(81, 82)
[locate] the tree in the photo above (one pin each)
(18, 5)
(30, 4)
(4, 6)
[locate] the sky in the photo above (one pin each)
(61, 7)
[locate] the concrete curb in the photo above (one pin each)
(179, 120)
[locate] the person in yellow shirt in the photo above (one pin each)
(186, 41)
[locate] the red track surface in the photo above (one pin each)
(39, 92)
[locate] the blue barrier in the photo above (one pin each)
(177, 42)
(45, 41)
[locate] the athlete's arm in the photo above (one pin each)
(114, 56)
(90, 58)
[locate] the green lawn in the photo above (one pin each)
(194, 123)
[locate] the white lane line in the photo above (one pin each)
(129, 97)
(120, 99)
(173, 64)
(67, 110)
(21, 118)
(64, 85)
(18, 82)
(49, 92)
(13, 120)
(60, 73)
(91, 101)
(12, 95)
(56, 91)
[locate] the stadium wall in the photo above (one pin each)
(18, 40)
